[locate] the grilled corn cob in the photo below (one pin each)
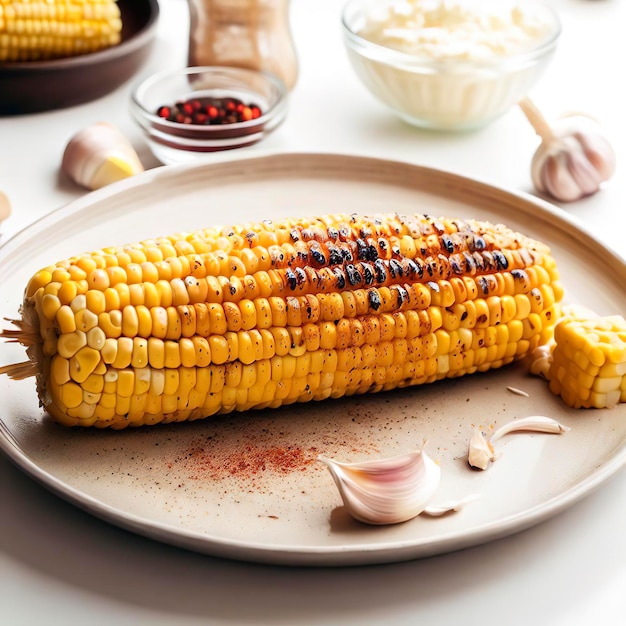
(588, 364)
(271, 313)
(33, 30)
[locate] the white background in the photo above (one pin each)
(59, 565)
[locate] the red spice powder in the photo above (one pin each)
(253, 452)
(247, 461)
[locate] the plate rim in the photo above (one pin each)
(307, 556)
(354, 554)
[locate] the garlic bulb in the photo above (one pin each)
(386, 491)
(100, 155)
(5, 206)
(574, 157)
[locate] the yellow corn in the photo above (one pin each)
(588, 367)
(267, 314)
(33, 30)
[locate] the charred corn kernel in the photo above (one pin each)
(266, 314)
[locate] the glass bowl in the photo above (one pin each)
(179, 140)
(445, 92)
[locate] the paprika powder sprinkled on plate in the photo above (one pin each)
(250, 460)
(264, 454)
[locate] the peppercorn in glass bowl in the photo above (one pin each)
(198, 110)
(449, 64)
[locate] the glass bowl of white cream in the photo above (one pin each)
(449, 64)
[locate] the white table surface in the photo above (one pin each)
(59, 565)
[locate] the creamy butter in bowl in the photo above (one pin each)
(449, 64)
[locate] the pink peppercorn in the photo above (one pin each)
(207, 110)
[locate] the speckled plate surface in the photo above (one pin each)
(249, 486)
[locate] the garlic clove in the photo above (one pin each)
(386, 491)
(550, 175)
(480, 452)
(599, 152)
(112, 169)
(100, 155)
(534, 423)
(574, 157)
(5, 206)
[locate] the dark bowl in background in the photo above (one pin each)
(35, 86)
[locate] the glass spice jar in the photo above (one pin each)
(253, 34)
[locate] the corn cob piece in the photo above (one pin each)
(36, 30)
(267, 314)
(588, 362)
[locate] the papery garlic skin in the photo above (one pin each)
(534, 423)
(574, 161)
(447, 507)
(386, 491)
(518, 392)
(481, 451)
(100, 155)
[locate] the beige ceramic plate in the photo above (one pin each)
(248, 486)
